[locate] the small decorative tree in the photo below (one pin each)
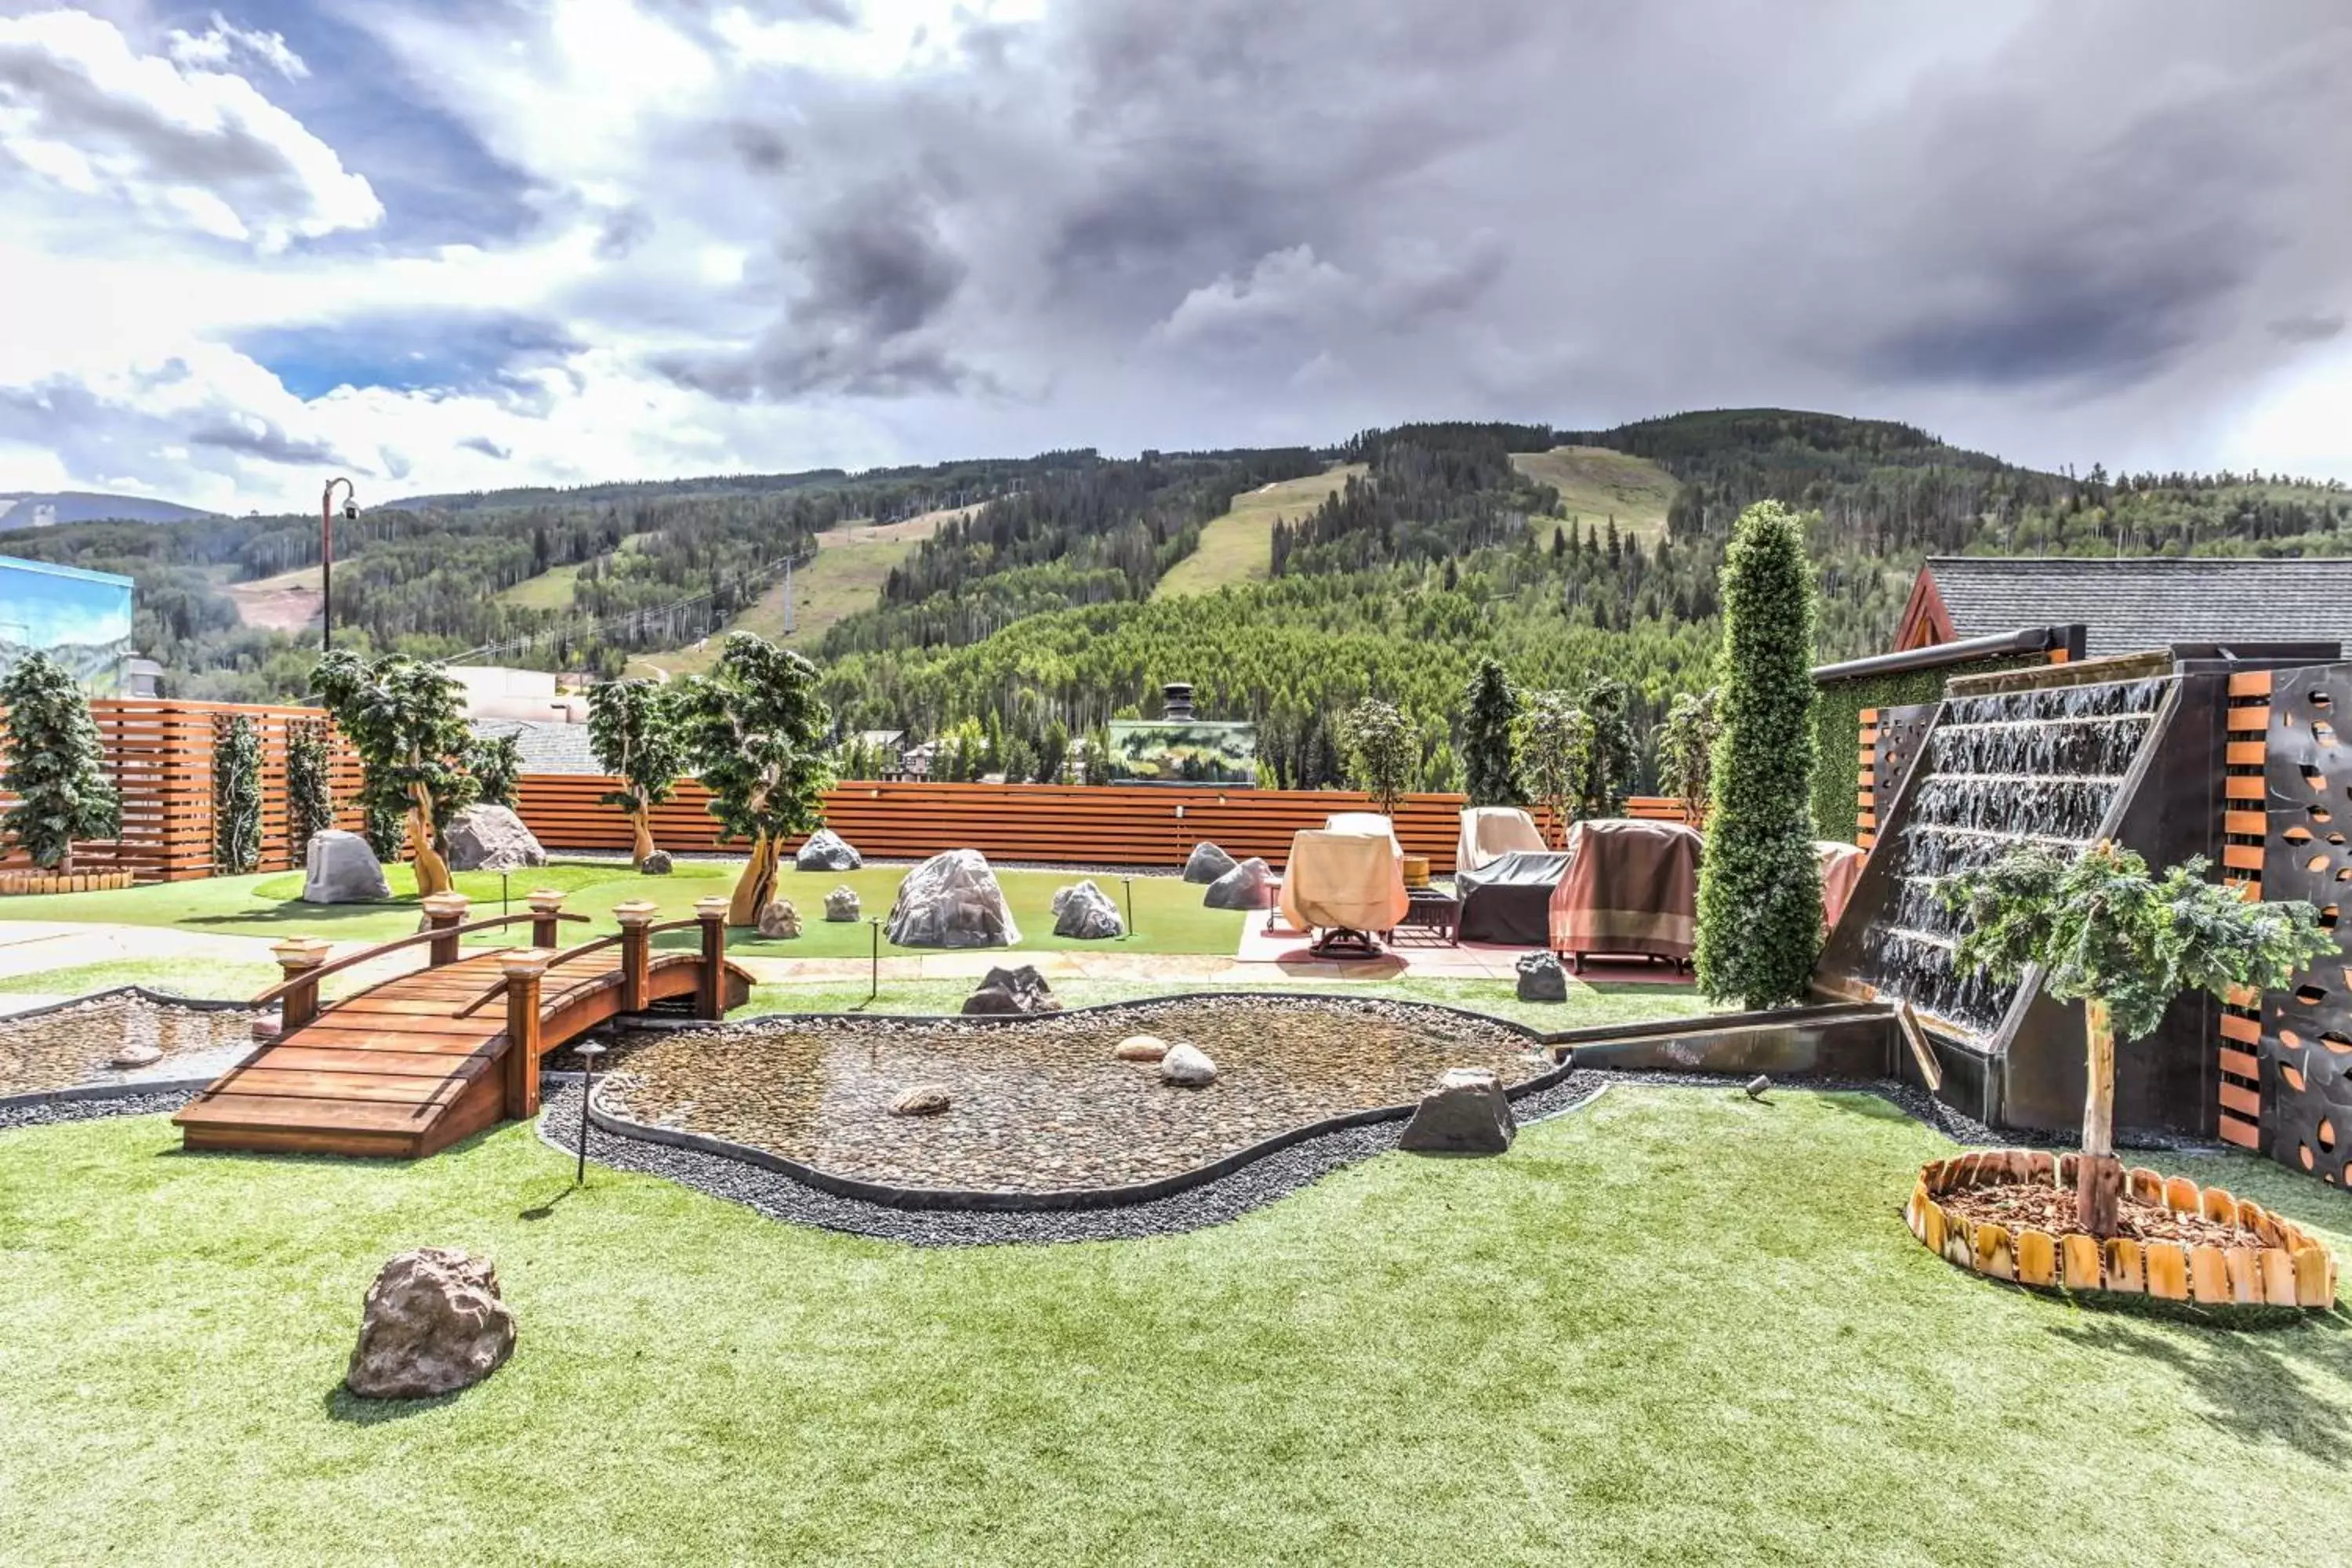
(633, 729)
(1760, 892)
(496, 763)
(1554, 743)
(1382, 752)
(1685, 744)
(2124, 943)
(1489, 759)
(310, 786)
(1609, 762)
(403, 718)
(54, 765)
(754, 729)
(237, 795)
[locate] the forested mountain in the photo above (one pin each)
(1028, 615)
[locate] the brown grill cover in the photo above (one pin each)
(1632, 887)
(1841, 869)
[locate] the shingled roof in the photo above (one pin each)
(2134, 605)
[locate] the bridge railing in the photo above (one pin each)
(303, 960)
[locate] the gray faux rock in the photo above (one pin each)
(1008, 991)
(340, 869)
(1466, 1113)
(487, 837)
(1084, 913)
(779, 922)
(1140, 1048)
(1207, 863)
(656, 864)
(1541, 979)
(827, 851)
(1188, 1067)
(952, 901)
(433, 1324)
(841, 904)
(1248, 886)
(922, 1100)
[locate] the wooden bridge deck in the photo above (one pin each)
(404, 1069)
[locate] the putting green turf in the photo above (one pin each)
(1676, 1327)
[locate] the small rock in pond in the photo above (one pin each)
(1006, 991)
(1141, 1048)
(827, 851)
(841, 904)
(433, 1324)
(1759, 1085)
(1248, 886)
(138, 1055)
(780, 921)
(1206, 863)
(922, 1100)
(656, 864)
(1188, 1065)
(1085, 912)
(1466, 1113)
(1541, 979)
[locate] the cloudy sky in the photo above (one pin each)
(450, 244)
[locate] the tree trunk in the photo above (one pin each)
(2099, 1184)
(432, 872)
(641, 822)
(753, 889)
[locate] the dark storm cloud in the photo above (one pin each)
(2307, 329)
(487, 448)
(252, 437)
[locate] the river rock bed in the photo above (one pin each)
(1044, 1105)
(67, 1047)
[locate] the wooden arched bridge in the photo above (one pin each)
(413, 1064)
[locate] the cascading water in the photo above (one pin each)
(2024, 766)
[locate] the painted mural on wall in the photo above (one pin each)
(82, 619)
(1197, 751)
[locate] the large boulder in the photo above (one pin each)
(1541, 979)
(827, 851)
(1206, 863)
(1248, 886)
(951, 900)
(340, 869)
(1008, 991)
(433, 1324)
(779, 922)
(841, 904)
(1085, 913)
(1188, 1067)
(490, 839)
(1466, 1113)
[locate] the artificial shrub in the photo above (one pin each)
(237, 795)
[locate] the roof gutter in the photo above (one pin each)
(1967, 650)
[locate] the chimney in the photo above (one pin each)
(1177, 697)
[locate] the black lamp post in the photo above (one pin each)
(589, 1051)
(327, 553)
(1128, 883)
(874, 926)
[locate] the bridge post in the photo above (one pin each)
(298, 956)
(522, 971)
(546, 903)
(443, 913)
(637, 950)
(711, 991)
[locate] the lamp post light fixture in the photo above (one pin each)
(327, 553)
(589, 1051)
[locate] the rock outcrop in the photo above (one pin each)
(340, 869)
(1541, 979)
(1008, 991)
(1084, 912)
(841, 904)
(779, 922)
(1206, 863)
(951, 900)
(1248, 886)
(433, 1324)
(656, 864)
(827, 851)
(1466, 1113)
(490, 839)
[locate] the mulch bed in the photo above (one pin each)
(2023, 1205)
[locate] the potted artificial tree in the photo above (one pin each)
(754, 729)
(404, 717)
(1382, 751)
(55, 765)
(2107, 933)
(1554, 741)
(633, 729)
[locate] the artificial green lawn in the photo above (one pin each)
(1167, 913)
(1676, 1327)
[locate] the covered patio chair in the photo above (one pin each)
(1632, 887)
(1362, 822)
(1342, 888)
(1491, 832)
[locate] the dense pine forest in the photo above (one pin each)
(1028, 616)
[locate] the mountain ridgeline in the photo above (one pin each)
(1027, 615)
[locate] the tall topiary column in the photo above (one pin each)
(1489, 760)
(1759, 894)
(310, 788)
(237, 795)
(54, 765)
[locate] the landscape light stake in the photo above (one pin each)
(502, 892)
(874, 928)
(1128, 883)
(589, 1051)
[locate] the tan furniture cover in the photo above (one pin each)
(1841, 869)
(1362, 822)
(1343, 880)
(1632, 887)
(1491, 832)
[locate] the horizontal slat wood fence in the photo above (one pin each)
(159, 755)
(1078, 825)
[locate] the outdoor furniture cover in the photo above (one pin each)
(1508, 899)
(1632, 887)
(1346, 881)
(1490, 832)
(1841, 869)
(1362, 822)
